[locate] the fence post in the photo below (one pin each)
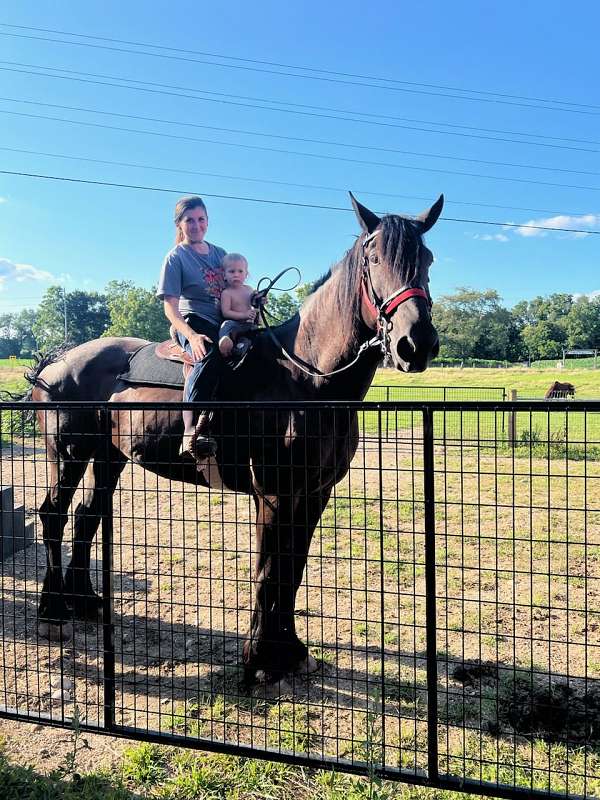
(512, 419)
(108, 632)
(430, 596)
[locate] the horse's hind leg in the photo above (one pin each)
(100, 480)
(66, 471)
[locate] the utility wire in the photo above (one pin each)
(320, 78)
(295, 66)
(371, 120)
(303, 139)
(182, 192)
(281, 183)
(303, 154)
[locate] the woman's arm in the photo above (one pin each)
(198, 341)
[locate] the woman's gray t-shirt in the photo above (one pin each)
(197, 280)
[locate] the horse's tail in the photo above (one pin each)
(32, 375)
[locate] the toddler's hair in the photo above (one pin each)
(231, 257)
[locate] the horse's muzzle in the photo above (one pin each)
(415, 356)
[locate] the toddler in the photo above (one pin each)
(236, 303)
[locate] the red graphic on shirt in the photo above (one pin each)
(215, 284)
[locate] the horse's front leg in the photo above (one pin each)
(284, 528)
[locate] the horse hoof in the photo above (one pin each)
(271, 690)
(53, 632)
(308, 665)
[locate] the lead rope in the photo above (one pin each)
(376, 341)
(379, 340)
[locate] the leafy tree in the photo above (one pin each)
(8, 340)
(553, 308)
(86, 317)
(582, 323)
(544, 339)
(282, 305)
(303, 290)
(473, 324)
(135, 311)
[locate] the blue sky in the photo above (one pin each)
(84, 235)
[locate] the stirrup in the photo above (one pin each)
(198, 447)
(202, 447)
(240, 348)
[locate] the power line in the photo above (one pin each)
(182, 192)
(303, 139)
(281, 183)
(327, 157)
(294, 66)
(204, 61)
(220, 95)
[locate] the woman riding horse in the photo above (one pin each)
(190, 285)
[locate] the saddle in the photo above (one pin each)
(171, 350)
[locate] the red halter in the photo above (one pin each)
(383, 310)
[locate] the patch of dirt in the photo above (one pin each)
(47, 748)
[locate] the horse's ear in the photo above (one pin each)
(430, 217)
(367, 219)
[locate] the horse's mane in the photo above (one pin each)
(399, 243)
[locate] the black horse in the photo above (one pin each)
(287, 459)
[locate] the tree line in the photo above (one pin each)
(472, 324)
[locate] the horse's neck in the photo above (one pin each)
(328, 339)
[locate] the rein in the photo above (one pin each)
(382, 312)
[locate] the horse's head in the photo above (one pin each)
(395, 283)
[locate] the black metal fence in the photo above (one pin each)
(451, 595)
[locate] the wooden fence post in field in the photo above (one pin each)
(512, 419)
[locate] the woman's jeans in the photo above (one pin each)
(203, 380)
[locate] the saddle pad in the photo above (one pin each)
(145, 368)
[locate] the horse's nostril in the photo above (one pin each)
(406, 348)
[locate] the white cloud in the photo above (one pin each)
(18, 273)
(3, 200)
(591, 221)
(491, 237)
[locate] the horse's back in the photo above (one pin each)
(89, 371)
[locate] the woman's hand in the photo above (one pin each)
(198, 343)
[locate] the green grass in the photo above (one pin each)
(539, 434)
(570, 363)
(167, 773)
(529, 383)
(14, 363)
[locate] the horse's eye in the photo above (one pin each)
(374, 258)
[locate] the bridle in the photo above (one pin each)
(381, 312)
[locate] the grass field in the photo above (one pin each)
(552, 435)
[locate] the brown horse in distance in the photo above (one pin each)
(274, 451)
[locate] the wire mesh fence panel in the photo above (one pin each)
(518, 547)
(421, 604)
(43, 675)
(186, 557)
